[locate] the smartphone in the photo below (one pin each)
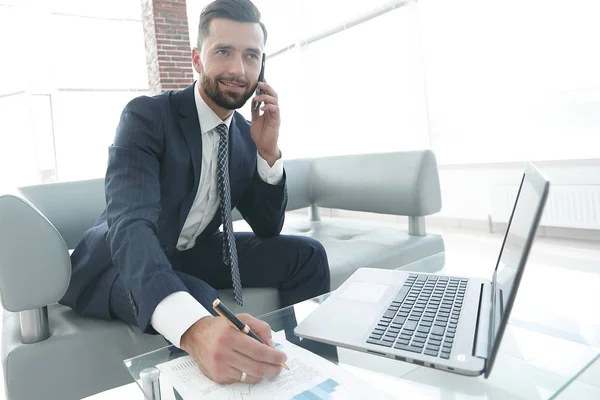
(261, 78)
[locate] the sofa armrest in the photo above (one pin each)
(35, 267)
(402, 183)
(299, 173)
(56, 202)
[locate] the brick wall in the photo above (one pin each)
(168, 52)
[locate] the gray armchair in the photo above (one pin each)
(70, 357)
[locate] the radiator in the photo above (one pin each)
(568, 206)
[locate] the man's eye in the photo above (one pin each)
(222, 52)
(254, 56)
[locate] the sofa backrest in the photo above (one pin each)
(401, 183)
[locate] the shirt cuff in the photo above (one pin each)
(175, 314)
(271, 175)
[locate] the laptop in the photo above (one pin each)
(451, 323)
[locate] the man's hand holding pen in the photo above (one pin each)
(227, 355)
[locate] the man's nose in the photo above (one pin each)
(236, 66)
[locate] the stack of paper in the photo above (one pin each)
(310, 377)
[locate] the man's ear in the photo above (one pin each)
(196, 61)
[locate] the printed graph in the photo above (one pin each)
(326, 390)
(241, 394)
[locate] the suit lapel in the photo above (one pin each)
(190, 127)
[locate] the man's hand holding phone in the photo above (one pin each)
(265, 128)
(261, 78)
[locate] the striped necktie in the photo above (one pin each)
(229, 250)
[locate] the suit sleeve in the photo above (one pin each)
(133, 205)
(263, 206)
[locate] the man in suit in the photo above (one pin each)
(179, 162)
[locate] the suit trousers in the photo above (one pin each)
(295, 265)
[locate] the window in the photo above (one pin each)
(355, 91)
(476, 80)
(74, 65)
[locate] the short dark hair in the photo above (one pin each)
(235, 10)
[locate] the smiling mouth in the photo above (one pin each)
(232, 84)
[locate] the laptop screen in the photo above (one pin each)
(519, 236)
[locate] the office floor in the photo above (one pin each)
(572, 262)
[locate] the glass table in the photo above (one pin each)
(537, 359)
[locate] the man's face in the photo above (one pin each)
(229, 62)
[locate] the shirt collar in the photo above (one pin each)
(209, 120)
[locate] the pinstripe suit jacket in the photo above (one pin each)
(151, 182)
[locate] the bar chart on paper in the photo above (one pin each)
(328, 389)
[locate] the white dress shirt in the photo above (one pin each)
(176, 313)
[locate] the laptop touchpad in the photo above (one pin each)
(362, 291)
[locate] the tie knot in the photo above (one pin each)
(222, 130)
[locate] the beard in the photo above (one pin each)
(222, 97)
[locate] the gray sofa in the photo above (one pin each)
(69, 357)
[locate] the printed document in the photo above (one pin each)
(310, 377)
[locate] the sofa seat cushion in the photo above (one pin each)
(353, 244)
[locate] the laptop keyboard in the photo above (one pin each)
(423, 316)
